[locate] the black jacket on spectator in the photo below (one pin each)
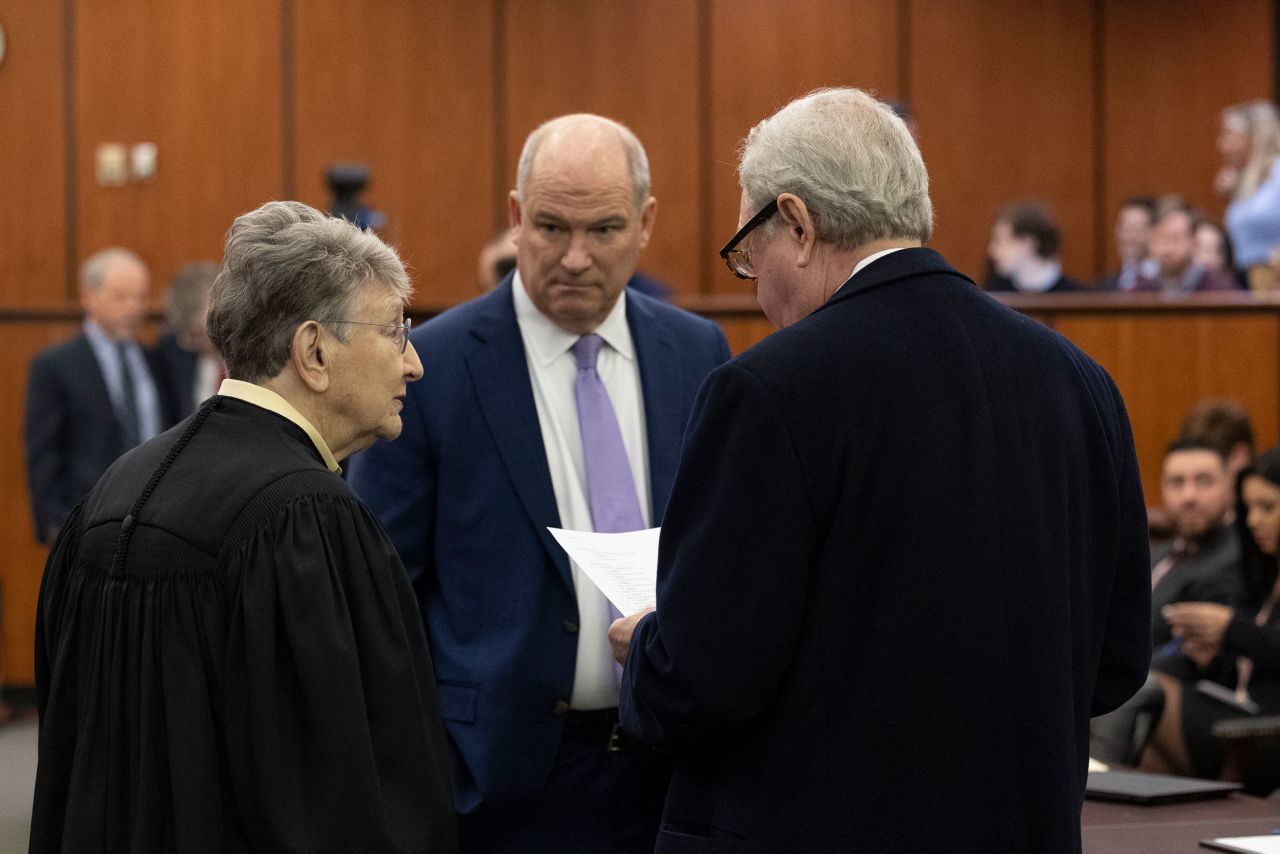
(71, 431)
(1211, 574)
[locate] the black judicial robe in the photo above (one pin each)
(904, 561)
(229, 658)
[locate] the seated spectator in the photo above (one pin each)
(1236, 646)
(1249, 142)
(1173, 249)
(1024, 252)
(1133, 232)
(1213, 250)
(188, 369)
(1202, 563)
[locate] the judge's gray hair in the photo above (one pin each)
(850, 159)
(284, 264)
(637, 160)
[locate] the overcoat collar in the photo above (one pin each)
(894, 267)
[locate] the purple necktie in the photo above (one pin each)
(611, 491)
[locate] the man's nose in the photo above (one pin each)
(577, 258)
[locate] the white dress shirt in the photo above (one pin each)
(553, 370)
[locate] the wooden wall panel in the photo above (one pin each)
(1164, 363)
(200, 80)
(408, 90)
(23, 559)
(636, 62)
(1171, 66)
(1002, 91)
(761, 59)
(33, 249)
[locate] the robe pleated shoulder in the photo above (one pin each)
(230, 658)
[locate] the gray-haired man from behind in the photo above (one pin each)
(918, 516)
(228, 654)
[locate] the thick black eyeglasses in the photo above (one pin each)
(401, 334)
(739, 260)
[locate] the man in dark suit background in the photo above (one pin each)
(559, 399)
(92, 398)
(905, 556)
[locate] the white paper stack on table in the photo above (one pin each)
(1245, 844)
(623, 566)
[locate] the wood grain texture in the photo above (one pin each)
(1165, 362)
(406, 87)
(762, 57)
(201, 81)
(23, 562)
(1002, 95)
(635, 62)
(33, 266)
(1171, 66)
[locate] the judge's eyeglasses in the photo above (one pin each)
(739, 260)
(400, 335)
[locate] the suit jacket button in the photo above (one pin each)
(571, 626)
(560, 707)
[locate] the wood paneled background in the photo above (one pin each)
(1074, 102)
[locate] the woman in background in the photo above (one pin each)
(1249, 142)
(1213, 250)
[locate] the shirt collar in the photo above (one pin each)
(272, 402)
(872, 257)
(98, 337)
(547, 341)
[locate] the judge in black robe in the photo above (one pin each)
(229, 655)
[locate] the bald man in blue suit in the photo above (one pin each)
(491, 456)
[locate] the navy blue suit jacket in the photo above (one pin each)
(70, 431)
(905, 559)
(466, 496)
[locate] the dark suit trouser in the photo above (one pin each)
(595, 802)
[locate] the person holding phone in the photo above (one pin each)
(1236, 649)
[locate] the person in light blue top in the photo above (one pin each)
(1249, 142)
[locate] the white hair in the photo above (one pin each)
(94, 269)
(850, 159)
(637, 160)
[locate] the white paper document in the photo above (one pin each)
(623, 566)
(1245, 844)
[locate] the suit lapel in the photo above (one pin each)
(661, 371)
(500, 375)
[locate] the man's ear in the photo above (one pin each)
(794, 216)
(308, 353)
(515, 215)
(648, 214)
